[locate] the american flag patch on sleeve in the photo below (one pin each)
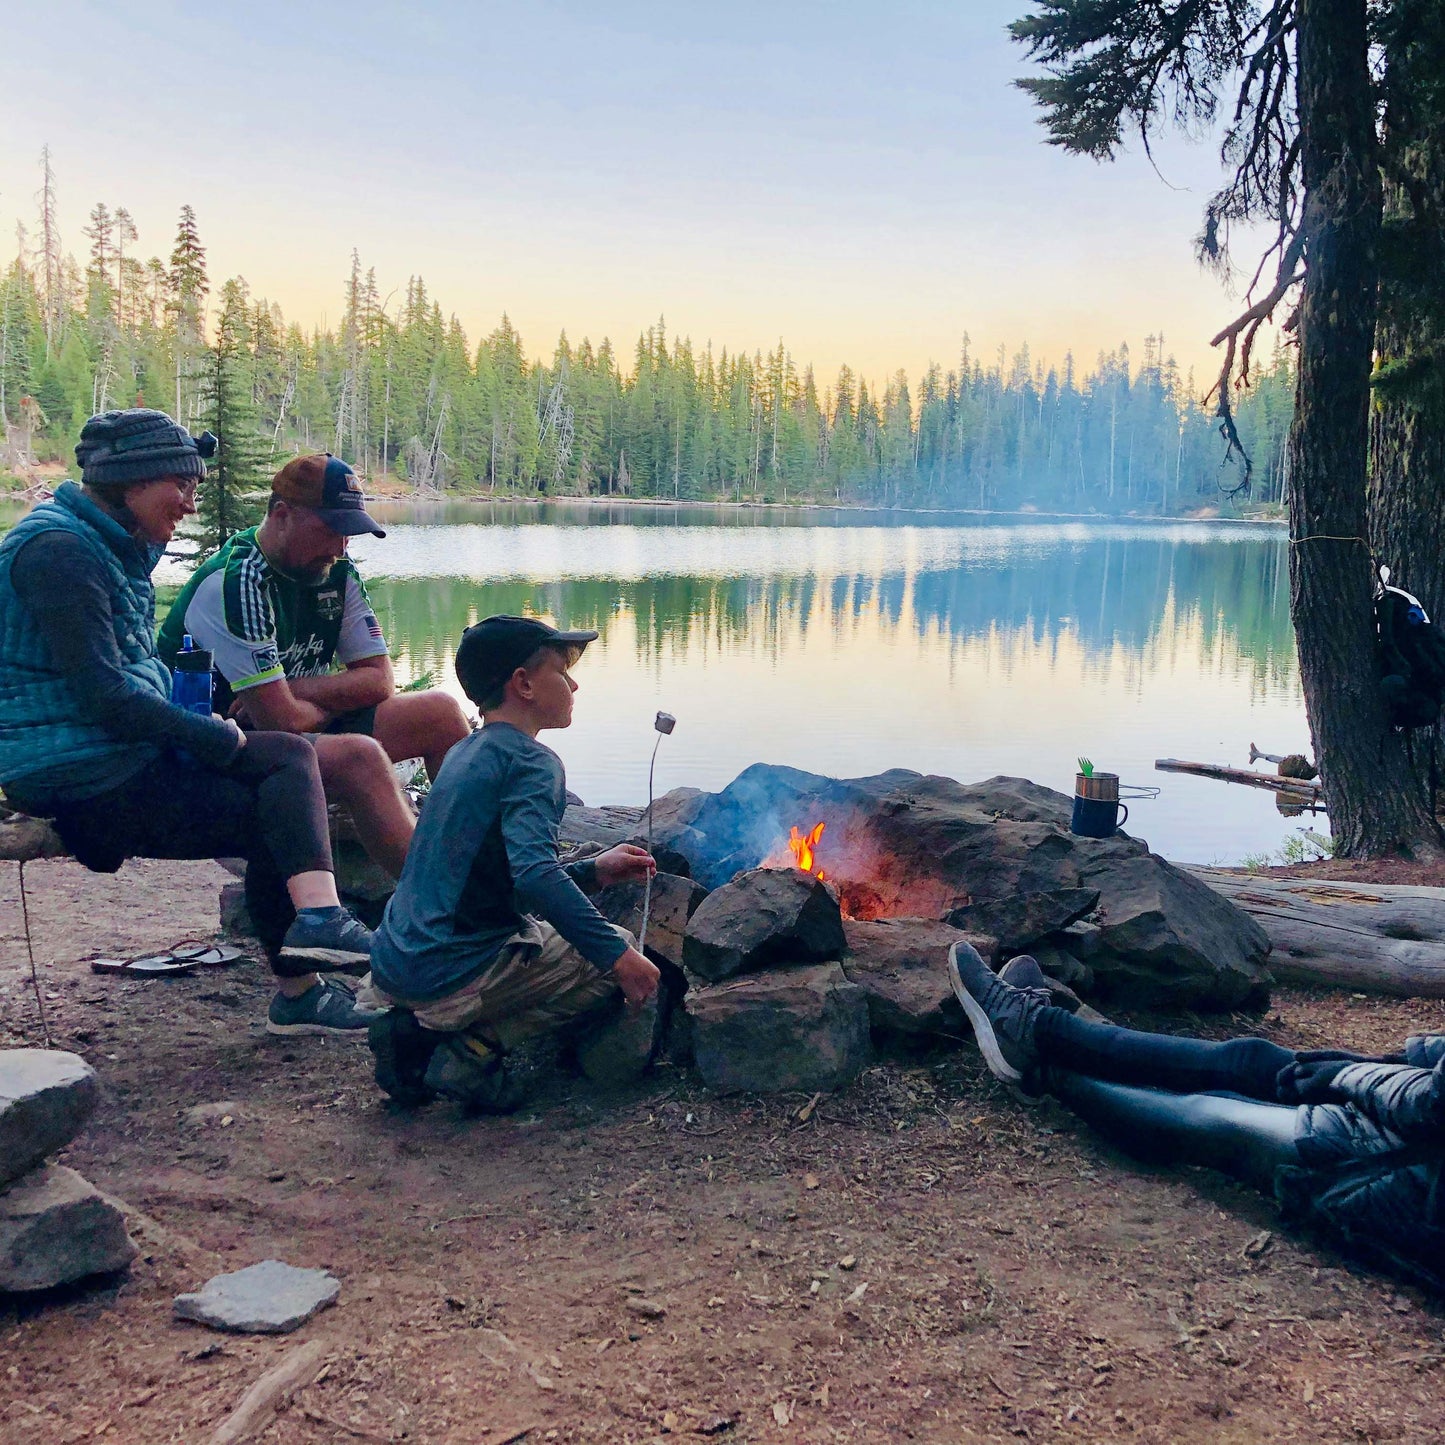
(373, 627)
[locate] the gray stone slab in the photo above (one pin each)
(46, 1096)
(270, 1298)
(56, 1228)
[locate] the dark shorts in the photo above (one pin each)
(358, 720)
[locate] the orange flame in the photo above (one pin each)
(801, 845)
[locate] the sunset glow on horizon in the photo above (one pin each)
(866, 186)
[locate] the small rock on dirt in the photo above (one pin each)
(270, 1298)
(763, 917)
(46, 1096)
(56, 1228)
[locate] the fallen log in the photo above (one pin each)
(1369, 937)
(257, 1408)
(1305, 790)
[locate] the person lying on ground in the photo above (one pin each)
(89, 736)
(1351, 1144)
(298, 649)
(468, 975)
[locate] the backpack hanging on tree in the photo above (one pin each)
(1412, 657)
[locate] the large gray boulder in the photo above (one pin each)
(674, 901)
(763, 917)
(55, 1228)
(802, 1029)
(46, 1096)
(996, 855)
(1162, 939)
(902, 966)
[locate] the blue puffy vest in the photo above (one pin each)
(43, 737)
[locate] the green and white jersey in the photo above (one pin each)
(261, 625)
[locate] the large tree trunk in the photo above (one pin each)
(1374, 804)
(1407, 428)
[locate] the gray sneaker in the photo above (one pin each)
(1024, 972)
(330, 944)
(1002, 1016)
(325, 1008)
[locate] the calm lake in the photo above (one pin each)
(847, 642)
(850, 642)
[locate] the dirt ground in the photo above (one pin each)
(920, 1258)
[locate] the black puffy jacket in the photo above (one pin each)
(1375, 1161)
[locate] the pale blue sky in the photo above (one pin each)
(862, 181)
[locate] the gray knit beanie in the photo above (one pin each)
(120, 448)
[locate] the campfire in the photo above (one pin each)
(801, 845)
(857, 900)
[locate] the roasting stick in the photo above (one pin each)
(664, 722)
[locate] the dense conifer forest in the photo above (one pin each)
(398, 387)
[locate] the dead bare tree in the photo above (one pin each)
(426, 461)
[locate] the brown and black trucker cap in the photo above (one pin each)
(330, 488)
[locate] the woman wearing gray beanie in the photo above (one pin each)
(89, 736)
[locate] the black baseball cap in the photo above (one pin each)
(330, 488)
(494, 648)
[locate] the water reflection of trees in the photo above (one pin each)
(1135, 595)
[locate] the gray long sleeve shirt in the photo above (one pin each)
(483, 856)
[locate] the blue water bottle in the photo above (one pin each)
(191, 678)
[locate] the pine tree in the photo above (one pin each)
(239, 466)
(187, 289)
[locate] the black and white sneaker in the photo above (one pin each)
(334, 943)
(1002, 1016)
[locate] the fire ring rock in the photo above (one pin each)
(803, 1029)
(763, 917)
(674, 901)
(46, 1096)
(996, 856)
(56, 1228)
(902, 966)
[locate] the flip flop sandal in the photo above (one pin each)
(208, 955)
(153, 965)
(215, 956)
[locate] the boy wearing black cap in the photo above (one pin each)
(471, 974)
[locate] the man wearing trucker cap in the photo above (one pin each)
(298, 649)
